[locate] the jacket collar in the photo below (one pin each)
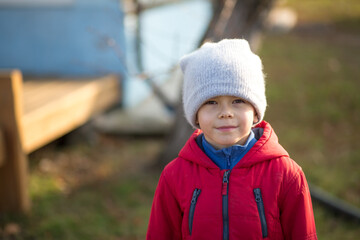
(265, 149)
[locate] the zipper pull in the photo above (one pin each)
(195, 195)
(225, 183)
(257, 194)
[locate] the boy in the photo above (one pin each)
(232, 179)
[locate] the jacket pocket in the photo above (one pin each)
(194, 198)
(261, 210)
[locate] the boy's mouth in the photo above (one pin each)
(225, 128)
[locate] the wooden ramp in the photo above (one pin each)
(36, 112)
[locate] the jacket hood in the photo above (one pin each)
(266, 148)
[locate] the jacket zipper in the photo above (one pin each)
(194, 198)
(260, 206)
(224, 192)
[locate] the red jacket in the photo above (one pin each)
(264, 196)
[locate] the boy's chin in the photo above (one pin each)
(221, 145)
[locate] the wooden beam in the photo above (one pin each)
(14, 171)
(2, 148)
(335, 204)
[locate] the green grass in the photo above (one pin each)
(315, 108)
(344, 13)
(110, 200)
(107, 210)
(332, 227)
(312, 83)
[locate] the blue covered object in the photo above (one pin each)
(76, 38)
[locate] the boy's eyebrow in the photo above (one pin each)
(241, 98)
(213, 98)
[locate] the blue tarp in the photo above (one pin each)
(77, 38)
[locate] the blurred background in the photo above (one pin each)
(97, 180)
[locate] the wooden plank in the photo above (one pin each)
(45, 112)
(55, 116)
(2, 148)
(38, 93)
(13, 173)
(43, 92)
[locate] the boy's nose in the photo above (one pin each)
(226, 115)
(226, 112)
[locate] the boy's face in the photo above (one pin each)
(226, 120)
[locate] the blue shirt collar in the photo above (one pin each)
(227, 158)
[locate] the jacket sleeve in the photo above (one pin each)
(166, 216)
(296, 212)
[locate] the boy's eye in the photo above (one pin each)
(211, 102)
(238, 101)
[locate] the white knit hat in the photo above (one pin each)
(228, 67)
